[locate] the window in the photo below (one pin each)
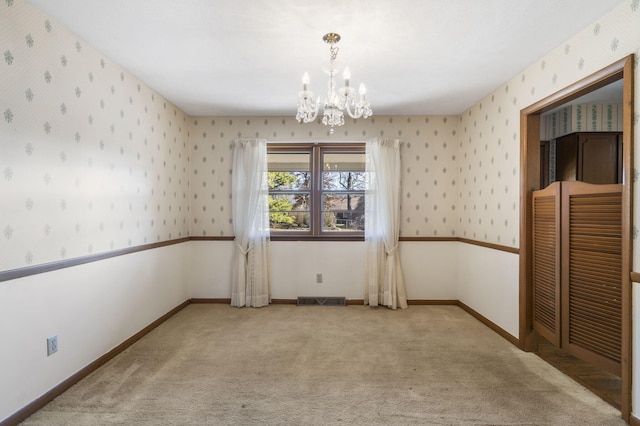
(316, 190)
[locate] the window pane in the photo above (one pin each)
(289, 171)
(343, 171)
(287, 181)
(343, 181)
(289, 221)
(289, 211)
(344, 161)
(289, 201)
(343, 212)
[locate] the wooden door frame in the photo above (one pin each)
(530, 181)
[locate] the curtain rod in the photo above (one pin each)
(315, 141)
(324, 141)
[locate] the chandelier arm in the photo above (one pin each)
(314, 110)
(358, 112)
(307, 109)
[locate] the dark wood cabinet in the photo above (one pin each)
(592, 157)
(544, 163)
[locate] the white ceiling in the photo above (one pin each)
(609, 94)
(246, 57)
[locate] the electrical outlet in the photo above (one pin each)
(318, 278)
(52, 345)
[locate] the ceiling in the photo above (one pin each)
(247, 57)
(609, 94)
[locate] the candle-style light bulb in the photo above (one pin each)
(346, 75)
(305, 81)
(362, 90)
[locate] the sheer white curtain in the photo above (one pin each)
(250, 275)
(385, 283)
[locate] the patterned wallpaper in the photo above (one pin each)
(91, 159)
(490, 134)
(489, 172)
(429, 157)
(581, 118)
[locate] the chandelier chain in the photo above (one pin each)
(333, 52)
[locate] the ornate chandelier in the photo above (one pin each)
(337, 100)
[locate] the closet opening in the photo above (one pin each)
(543, 160)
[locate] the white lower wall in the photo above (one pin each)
(430, 269)
(209, 269)
(294, 265)
(92, 308)
(488, 282)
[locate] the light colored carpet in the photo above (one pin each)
(321, 365)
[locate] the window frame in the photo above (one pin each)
(316, 151)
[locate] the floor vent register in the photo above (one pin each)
(322, 301)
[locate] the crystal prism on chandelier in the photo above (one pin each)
(337, 100)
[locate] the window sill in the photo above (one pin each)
(325, 237)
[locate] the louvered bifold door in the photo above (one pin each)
(546, 262)
(592, 273)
